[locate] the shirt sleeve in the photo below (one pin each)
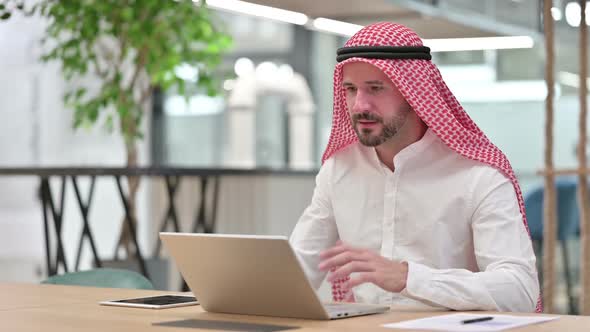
(507, 279)
(316, 229)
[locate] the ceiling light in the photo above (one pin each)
(348, 29)
(479, 43)
(336, 27)
(436, 45)
(248, 8)
(571, 79)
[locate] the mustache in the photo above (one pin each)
(366, 116)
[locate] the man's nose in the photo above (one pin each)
(361, 102)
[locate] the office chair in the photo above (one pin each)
(568, 223)
(103, 277)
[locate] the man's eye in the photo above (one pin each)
(350, 89)
(376, 88)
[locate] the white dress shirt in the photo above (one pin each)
(455, 221)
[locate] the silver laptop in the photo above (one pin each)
(252, 275)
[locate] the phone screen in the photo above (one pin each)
(160, 300)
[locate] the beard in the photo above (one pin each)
(373, 136)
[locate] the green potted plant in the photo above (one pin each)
(130, 47)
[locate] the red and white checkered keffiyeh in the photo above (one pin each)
(421, 84)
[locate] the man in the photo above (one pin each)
(413, 205)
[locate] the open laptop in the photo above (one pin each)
(253, 275)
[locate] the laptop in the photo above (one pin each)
(252, 275)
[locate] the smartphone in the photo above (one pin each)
(155, 302)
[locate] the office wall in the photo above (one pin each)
(518, 129)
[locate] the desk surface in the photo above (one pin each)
(29, 307)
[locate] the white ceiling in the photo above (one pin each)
(338, 8)
(456, 19)
(368, 11)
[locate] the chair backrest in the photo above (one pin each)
(103, 277)
(568, 215)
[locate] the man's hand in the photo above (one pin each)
(369, 266)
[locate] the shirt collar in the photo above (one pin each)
(409, 151)
(415, 148)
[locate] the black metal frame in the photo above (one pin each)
(201, 222)
(205, 216)
(84, 209)
(50, 211)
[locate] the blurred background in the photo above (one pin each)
(272, 115)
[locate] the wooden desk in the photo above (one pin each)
(49, 308)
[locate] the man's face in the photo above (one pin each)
(377, 109)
